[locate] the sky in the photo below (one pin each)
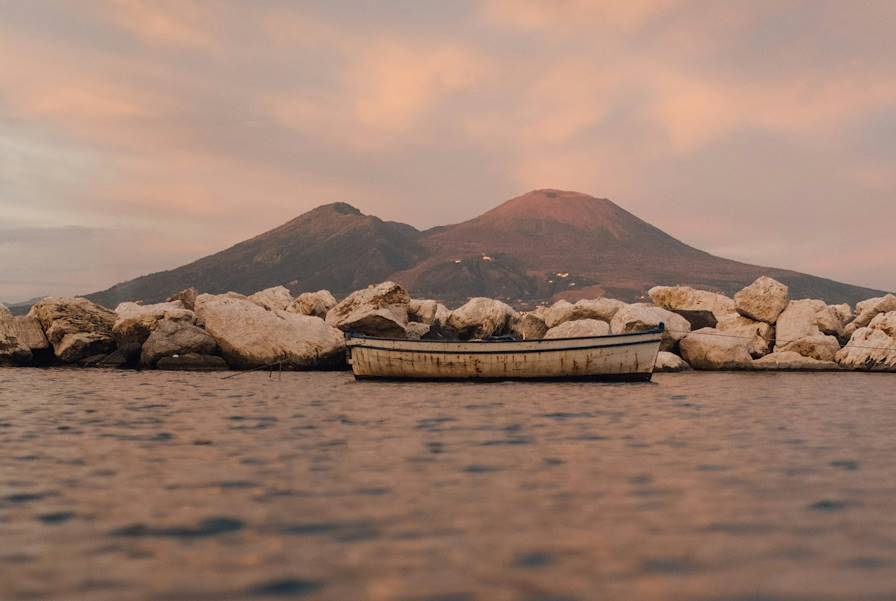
(137, 136)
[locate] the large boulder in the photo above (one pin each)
(136, 322)
(791, 361)
(528, 326)
(759, 333)
(75, 327)
(867, 310)
(417, 330)
(186, 297)
(803, 319)
(819, 347)
(641, 316)
(598, 308)
(579, 328)
(26, 329)
(12, 351)
(317, 303)
(684, 298)
(843, 312)
(276, 298)
(709, 348)
(172, 337)
(428, 312)
(4, 312)
(763, 300)
(669, 362)
(872, 347)
(481, 318)
(380, 310)
(251, 336)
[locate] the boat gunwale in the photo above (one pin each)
(560, 349)
(657, 330)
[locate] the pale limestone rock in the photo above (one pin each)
(12, 351)
(417, 330)
(317, 303)
(803, 319)
(380, 310)
(27, 330)
(529, 326)
(579, 328)
(842, 312)
(869, 309)
(4, 312)
(249, 335)
(791, 361)
(75, 327)
(428, 312)
(641, 316)
(277, 298)
(759, 333)
(669, 362)
(186, 297)
(818, 346)
(135, 321)
(872, 347)
(684, 298)
(763, 300)
(598, 308)
(171, 337)
(481, 318)
(708, 348)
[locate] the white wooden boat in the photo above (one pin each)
(618, 357)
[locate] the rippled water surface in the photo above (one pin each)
(153, 485)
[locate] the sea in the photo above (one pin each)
(121, 485)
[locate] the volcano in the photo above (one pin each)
(541, 246)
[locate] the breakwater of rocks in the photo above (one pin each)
(761, 328)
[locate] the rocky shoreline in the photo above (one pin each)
(761, 328)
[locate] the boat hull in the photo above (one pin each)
(626, 357)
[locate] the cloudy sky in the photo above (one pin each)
(136, 136)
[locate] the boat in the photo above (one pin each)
(616, 358)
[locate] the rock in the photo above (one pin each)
(676, 298)
(791, 361)
(804, 319)
(759, 333)
(4, 312)
(763, 300)
(13, 352)
(380, 310)
(186, 297)
(579, 329)
(600, 308)
(699, 318)
(127, 355)
(417, 330)
(481, 318)
(313, 303)
(136, 322)
(819, 347)
(528, 326)
(428, 311)
(27, 330)
(869, 309)
(172, 337)
(250, 336)
(843, 312)
(75, 327)
(278, 298)
(192, 362)
(872, 347)
(669, 362)
(709, 348)
(92, 360)
(640, 316)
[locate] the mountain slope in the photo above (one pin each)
(334, 246)
(541, 245)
